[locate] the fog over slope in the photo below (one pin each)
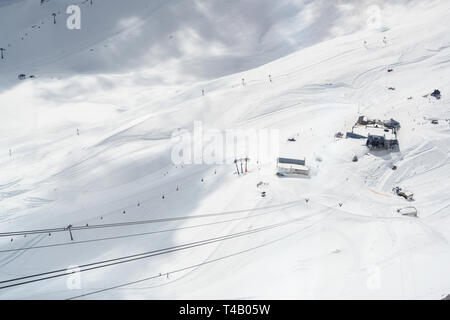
(193, 39)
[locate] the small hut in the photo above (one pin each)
(291, 167)
(437, 94)
(392, 124)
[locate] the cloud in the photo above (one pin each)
(194, 39)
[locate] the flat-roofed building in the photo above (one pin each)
(291, 167)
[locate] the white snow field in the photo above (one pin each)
(134, 74)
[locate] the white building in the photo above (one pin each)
(378, 137)
(374, 130)
(291, 167)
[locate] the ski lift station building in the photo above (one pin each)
(379, 137)
(291, 167)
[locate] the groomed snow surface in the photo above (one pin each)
(134, 74)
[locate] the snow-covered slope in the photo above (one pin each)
(134, 75)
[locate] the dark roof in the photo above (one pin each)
(352, 135)
(436, 94)
(392, 124)
(292, 161)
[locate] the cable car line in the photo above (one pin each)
(192, 266)
(138, 234)
(116, 261)
(139, 222)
